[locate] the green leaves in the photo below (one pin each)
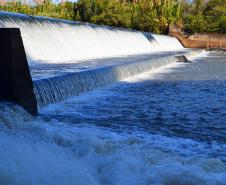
(195, 23)
(113, 13)
(205, 16)
(222, 24)
(145, 15)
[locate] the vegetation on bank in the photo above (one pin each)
(204, 16)
(145, 15)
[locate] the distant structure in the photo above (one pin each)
(198, 40)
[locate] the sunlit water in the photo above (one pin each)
(48, 40)
(164, 127)
(48, 70)
(65, 83)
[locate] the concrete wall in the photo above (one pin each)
(15, 79)
(198, 40)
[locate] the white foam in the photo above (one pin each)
(167, 42)
(56, 41)
(54, 153)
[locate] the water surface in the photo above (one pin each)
(163, 127)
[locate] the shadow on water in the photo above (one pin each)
(188, 101)
(185, 109)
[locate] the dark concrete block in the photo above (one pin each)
(15, 80)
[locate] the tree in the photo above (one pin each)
(195, 23)
(145, 15)
(199, 6)
(222, 24)
(114, 14)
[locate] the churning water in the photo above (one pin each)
(163, 127)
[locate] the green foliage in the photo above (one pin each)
(146, 15)
(47, 8)
(85, 10)
(205, 16)
(222, 24)
(199, 6)
(195, 23)
(114, 13)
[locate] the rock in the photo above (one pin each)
(182, 58)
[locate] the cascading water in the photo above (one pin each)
(156, 128)
(163, 42)
(59, 41)
(54, 41)
(58, 88)
(63, 42)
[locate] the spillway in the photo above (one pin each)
(93, 56)
(49, 40)
(55, 89)
(163, 127)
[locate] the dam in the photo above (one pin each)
(80, 57)
(114, 108)
(71, 42)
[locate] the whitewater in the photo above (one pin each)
(49, 40)
(122, 134)
(114, 109)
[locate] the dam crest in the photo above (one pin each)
(92, 56)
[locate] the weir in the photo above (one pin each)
(55, 89)
(59, 42)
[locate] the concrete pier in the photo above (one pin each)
(15, 80)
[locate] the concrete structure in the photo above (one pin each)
(15, 79)
(213, 40)
(198, 40)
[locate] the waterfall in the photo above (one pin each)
(48, 40)
(163, 42)
(58, 42)
(55, 89)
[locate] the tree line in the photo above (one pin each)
(204, 16)
(145, 15)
